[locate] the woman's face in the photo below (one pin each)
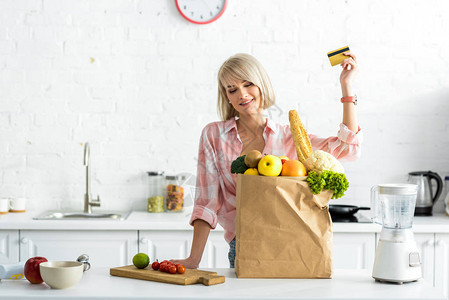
(245, 97)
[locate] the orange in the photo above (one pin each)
(293, 168)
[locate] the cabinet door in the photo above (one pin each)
(9, 246)
(425, 242)
(173, 244)
(442, 262)
(105, 248)
(165, 244)
(216, 251)
(353, 250)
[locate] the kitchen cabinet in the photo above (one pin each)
(442, 262)
(350, 250)
(114, 248)
(425, 244)
(216, 251)
(9, 246)
(163, 244)
(353, 250)
(105, 248)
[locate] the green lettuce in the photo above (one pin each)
(328, 180)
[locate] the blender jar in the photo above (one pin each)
(174, 201)
(155, 201)
(393, 205)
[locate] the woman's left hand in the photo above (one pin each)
(350, 69)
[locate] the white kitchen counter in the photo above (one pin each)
(137, 220)
(180, 221)
(345, 284)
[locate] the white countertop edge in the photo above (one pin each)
(139, 220)
(345, 284)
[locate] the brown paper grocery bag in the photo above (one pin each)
(283, 230)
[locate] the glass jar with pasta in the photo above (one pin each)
(155, 200)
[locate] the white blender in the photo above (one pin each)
(397, 257)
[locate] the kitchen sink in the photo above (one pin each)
(73, 215)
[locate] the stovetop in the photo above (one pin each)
(356, 218)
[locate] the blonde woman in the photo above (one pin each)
(244, 93)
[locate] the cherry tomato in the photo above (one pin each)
(181, 269)
(172, 269)
(155, 265)
(162, 266)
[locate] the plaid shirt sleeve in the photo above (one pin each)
(345, 146)
(207, 200)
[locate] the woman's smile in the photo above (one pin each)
(246, 103)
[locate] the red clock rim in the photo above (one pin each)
(202, 23)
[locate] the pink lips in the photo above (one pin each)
(246, 102)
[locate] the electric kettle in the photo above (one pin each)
(426, 198)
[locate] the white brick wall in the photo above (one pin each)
(138, 82)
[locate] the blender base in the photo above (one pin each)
(397, 262)
(392, 281)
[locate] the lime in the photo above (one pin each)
(141, 260)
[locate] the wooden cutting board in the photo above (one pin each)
(191, 276)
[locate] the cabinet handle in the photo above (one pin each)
(440, 243)
(430, 243)
(143, 240)
(24, 240)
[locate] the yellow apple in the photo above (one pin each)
(270, 165)
(251, 171)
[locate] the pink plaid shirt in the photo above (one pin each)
(220, 145)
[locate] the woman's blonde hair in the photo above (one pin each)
(242, 66)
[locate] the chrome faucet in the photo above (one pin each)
(88, 201)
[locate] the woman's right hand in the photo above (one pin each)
(200, 233)
(189, 263)
(350, 69)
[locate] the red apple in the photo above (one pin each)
(283, 158)
(32, 272)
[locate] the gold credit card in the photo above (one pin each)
(336, 57)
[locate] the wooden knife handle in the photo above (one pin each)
(212, 279)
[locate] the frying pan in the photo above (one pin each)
(345, 210)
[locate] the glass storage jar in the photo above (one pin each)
(155, 201)
(174, 199)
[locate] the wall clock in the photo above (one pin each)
(201, 11)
